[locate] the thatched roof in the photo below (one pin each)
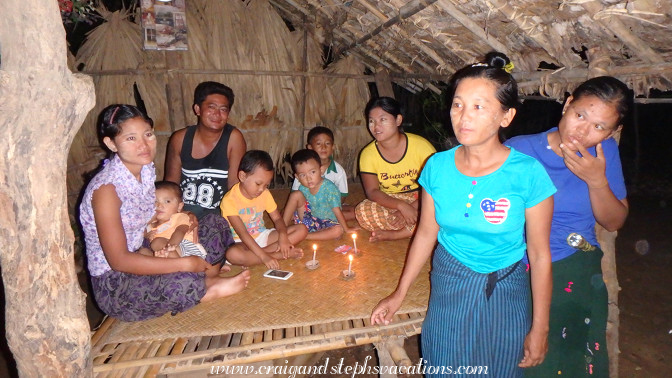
(271, 52)
(423, 41)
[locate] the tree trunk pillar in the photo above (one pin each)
(607, 242)
(42, 105)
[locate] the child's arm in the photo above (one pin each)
(158, 244)
(341, 220)
(107, 213)
(240, 228)
(178, 235)
(283, 239)
(293, 203)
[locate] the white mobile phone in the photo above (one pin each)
(278, 274)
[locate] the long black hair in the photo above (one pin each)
(111, 118)
(493, 69)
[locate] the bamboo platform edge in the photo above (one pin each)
(178, 361)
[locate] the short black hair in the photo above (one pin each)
(609, 90)
(318, 130)
(169, 185)
(206, 88)
(255, 158)
(302, 156)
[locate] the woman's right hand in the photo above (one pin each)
(194, 264)
(385, 310)
(409, 212)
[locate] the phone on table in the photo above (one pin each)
(278, 274)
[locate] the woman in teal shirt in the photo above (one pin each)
(478, 199)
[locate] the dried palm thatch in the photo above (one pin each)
(241, 44)
(351, 95)
(111, 46)
(424, 41)
(265, 132)
(337, 103)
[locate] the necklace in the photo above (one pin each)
(470, 196)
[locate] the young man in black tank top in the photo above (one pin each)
(200, 158)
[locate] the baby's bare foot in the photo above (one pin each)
(225, 268)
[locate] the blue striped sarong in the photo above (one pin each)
(464, 327)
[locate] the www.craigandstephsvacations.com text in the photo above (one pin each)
(292, 371)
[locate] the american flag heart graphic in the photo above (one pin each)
(495, 212)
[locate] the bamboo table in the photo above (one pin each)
(313, 311)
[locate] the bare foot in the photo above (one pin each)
(382, 235)
(295, 253)
(224, 286)
(225, 268)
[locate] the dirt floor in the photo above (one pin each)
(645, 300)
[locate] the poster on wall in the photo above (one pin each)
(164, 24)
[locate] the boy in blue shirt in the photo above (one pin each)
(317, 202)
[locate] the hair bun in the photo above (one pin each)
(497, 59)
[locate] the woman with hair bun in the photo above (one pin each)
(582, 159)
(479, 199)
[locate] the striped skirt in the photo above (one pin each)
(465, 326)
(371, 216)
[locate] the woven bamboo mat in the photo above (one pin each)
(306, 298)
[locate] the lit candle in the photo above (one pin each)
(314, 251)
(354, 241)
(350, 265)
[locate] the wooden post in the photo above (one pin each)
(391, 353)
(42, 105)
(599, 60)
(607, 242)
(383, 83)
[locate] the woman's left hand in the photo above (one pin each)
(587, 167)
(534, 349)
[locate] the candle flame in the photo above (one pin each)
(314, 246)
(350, 257)
(354, 236)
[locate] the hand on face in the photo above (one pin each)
(585, 166)
(587, 121)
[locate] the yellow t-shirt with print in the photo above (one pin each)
(250, 211)
(401, 176)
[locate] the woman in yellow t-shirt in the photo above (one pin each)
(389, 167)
